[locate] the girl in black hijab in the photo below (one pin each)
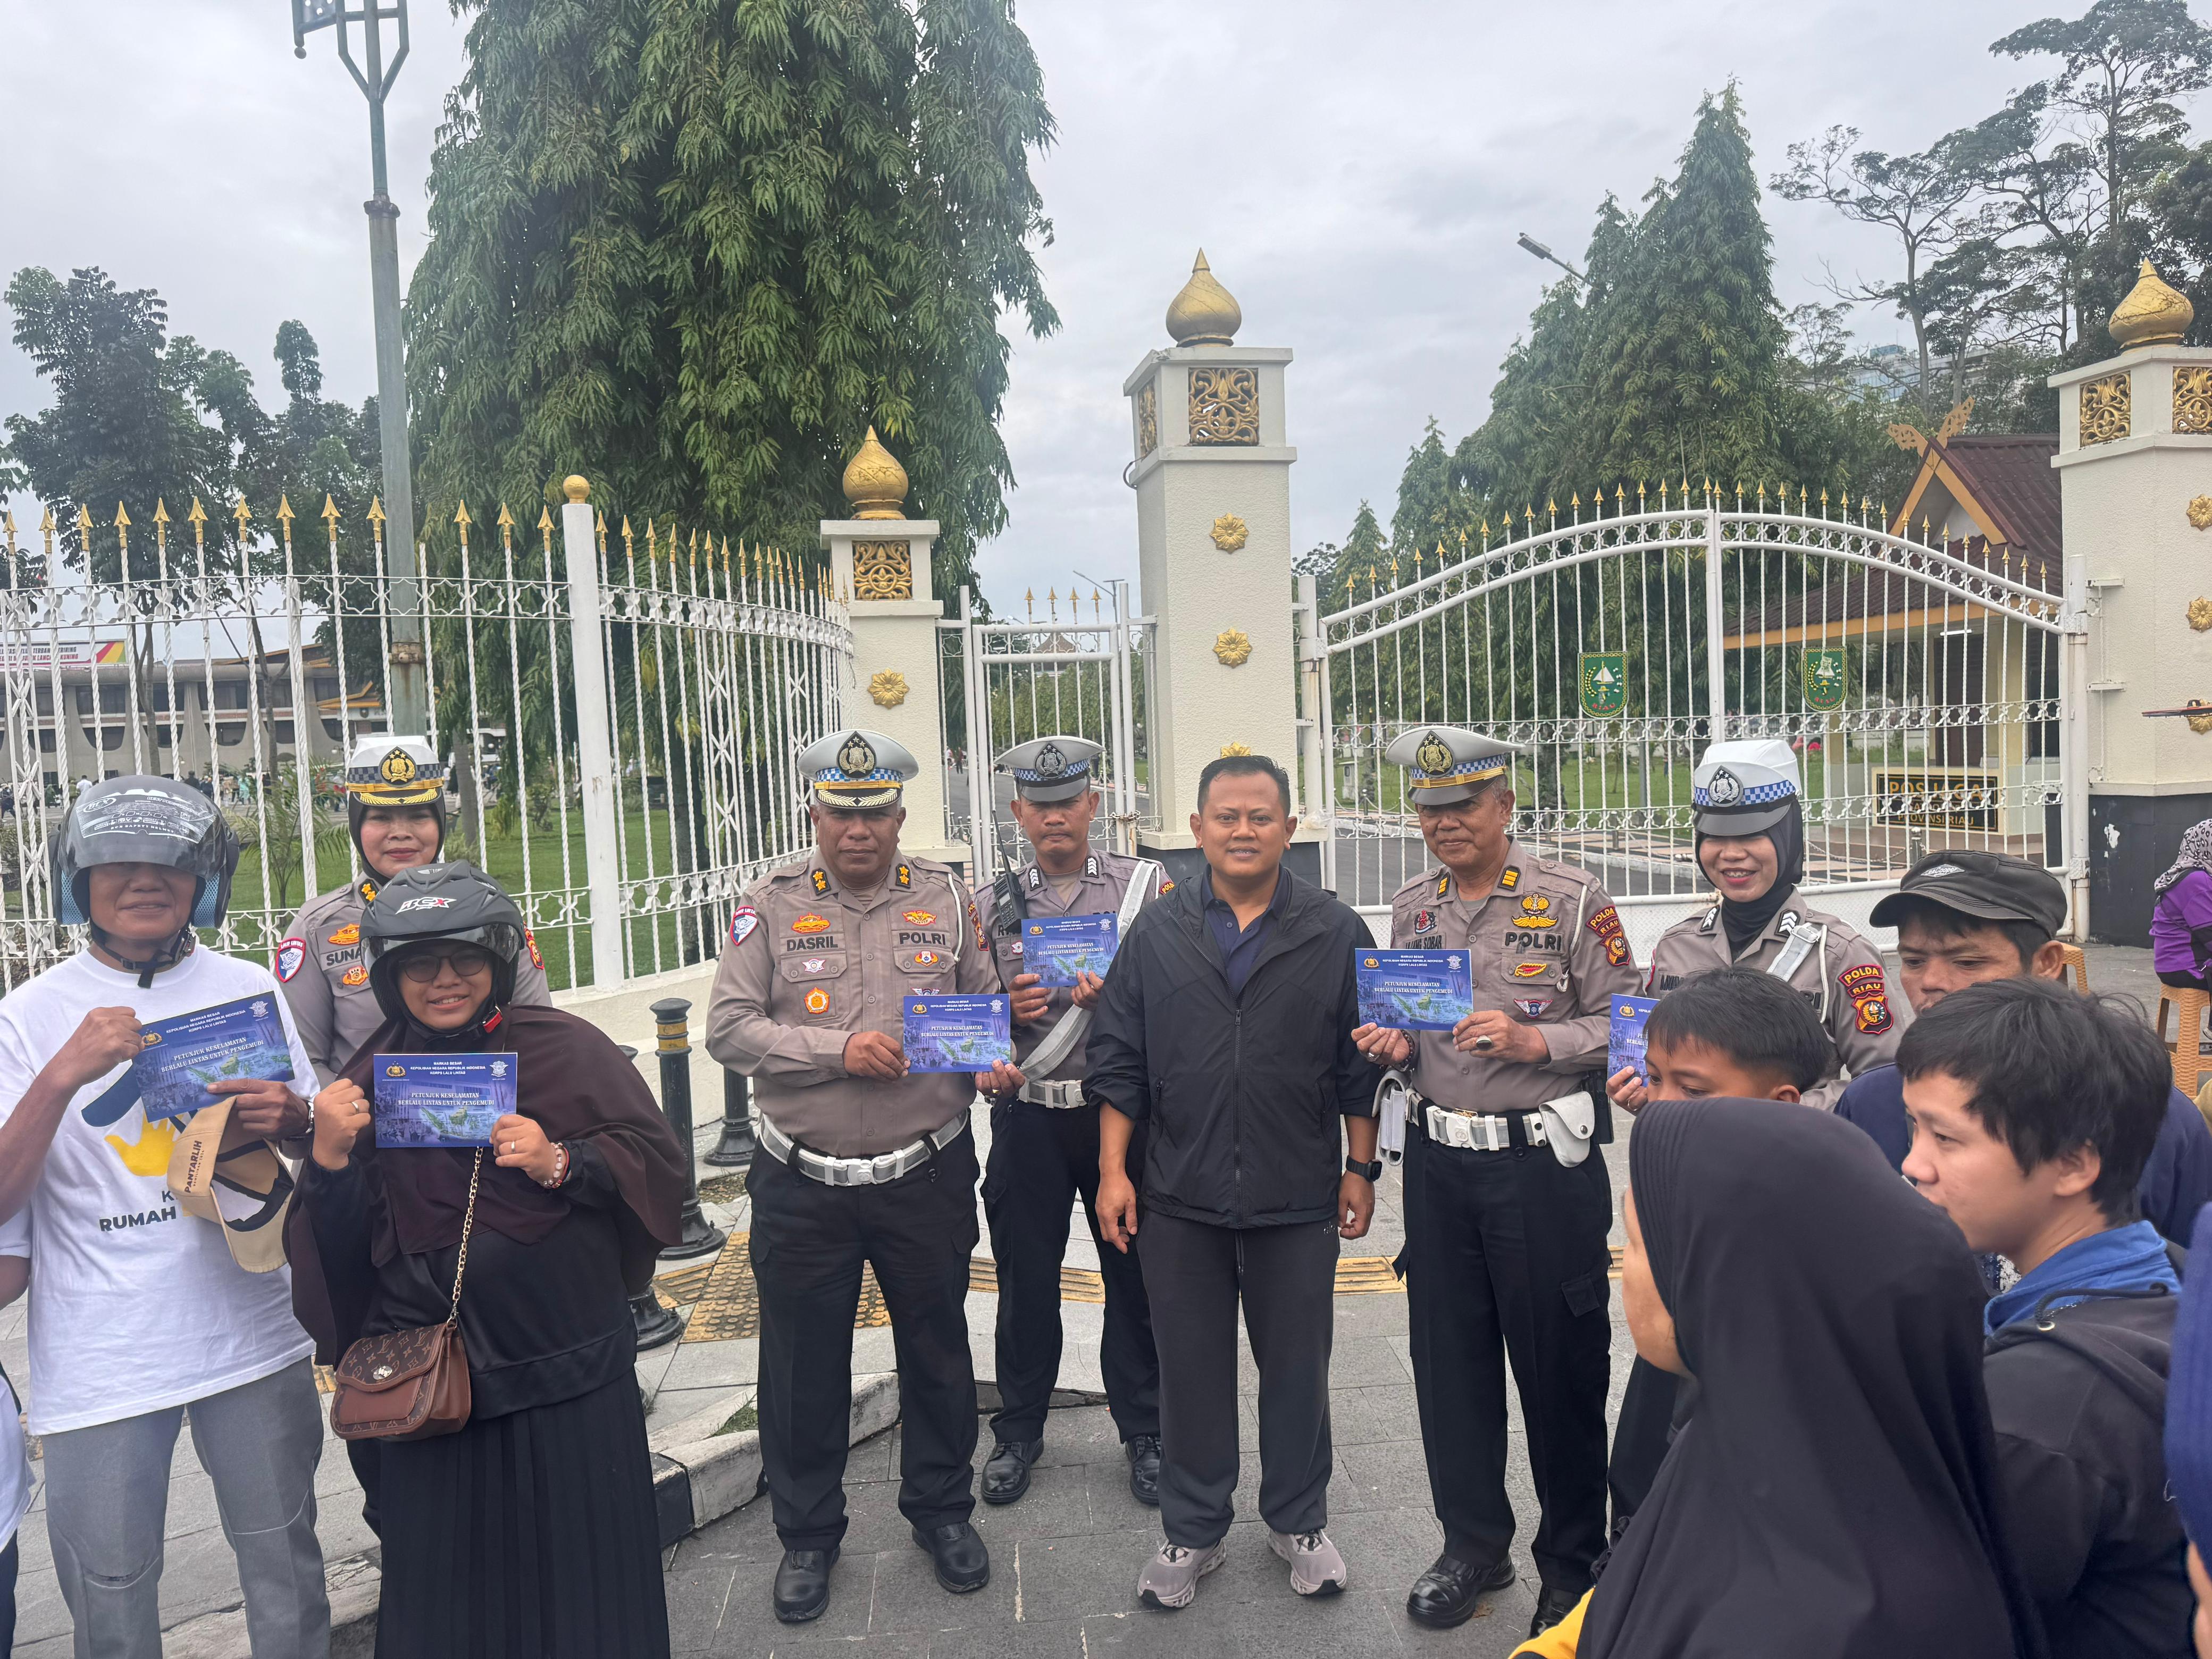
(1832, 1495)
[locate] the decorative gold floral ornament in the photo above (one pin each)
(1148, 420)
(883, 570)
(1224, 406)
(2107, 414)
(2200, 614)
(2200, 512)
(875, 483)
(2152, 314)
(889, 689)
(1233, 646)
(2192, 400)
(1228, 749)
(2200, 724)
(1229, 533)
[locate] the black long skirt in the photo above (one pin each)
(528, 1536)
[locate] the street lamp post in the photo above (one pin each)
(406, 703)
(1532, 245)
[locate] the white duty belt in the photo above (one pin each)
(876, 1171)
(1059, 1041)
(1061, 1097)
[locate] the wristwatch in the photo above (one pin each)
(1367, 1171)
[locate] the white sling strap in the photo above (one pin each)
(1075, 1023)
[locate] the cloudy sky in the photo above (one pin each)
(1356, 173)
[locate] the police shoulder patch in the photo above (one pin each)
(536, 960)
(743, 922)
(1605, 923)
(1865, 980)
(1873, 1011)
(355, 975)
(291, 956)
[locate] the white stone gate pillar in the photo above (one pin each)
(880, 557)
(2135, 460)
(1213, 551)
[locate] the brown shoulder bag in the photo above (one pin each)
(411, 1384)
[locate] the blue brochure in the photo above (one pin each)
(1625, 1044)
(1415, 990)
(186, 1052)
(441, 1100)
(1058, 948)
(957, 1033)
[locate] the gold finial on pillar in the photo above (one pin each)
(875, 483)
(1204, 313)
(576, 487)
(2152, 314)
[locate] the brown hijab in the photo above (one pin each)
(576, 1085)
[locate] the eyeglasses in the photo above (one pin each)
(467, 961)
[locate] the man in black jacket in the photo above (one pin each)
(1225, 1028)
(2034, 1110)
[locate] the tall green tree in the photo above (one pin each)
(693, 248)
(1688, 348)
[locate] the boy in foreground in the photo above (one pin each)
(2034, 1111)
(1736, 1032)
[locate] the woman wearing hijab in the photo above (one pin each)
(531, 1530)
(1750, 827)
(2181, 921)
(1833, 1493)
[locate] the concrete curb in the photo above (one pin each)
(695, 1481)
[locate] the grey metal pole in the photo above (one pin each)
(406, 699)
(735, 1149)
(652, 1324)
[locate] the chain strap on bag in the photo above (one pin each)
(410, 1384)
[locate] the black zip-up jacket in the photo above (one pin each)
(2079, 1411)
(1242, 1095)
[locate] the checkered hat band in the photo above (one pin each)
(1484, 768)
(1067, 774)
(1757, 794)
(357, 776)
(881, 775)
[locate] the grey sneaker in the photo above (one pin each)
(1316, 1565)
(1170, 1579)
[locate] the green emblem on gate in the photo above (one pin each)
(1604, 683)
(1824, 680)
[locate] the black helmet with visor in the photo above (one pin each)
(144, 819)
(446, 904)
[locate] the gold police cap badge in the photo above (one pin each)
(857, 757)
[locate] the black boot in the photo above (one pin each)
(802, 1584)
(963, 1563)
(1444, 1596)
(1143, 1451)
(1552, 1606)
(1006, 1475)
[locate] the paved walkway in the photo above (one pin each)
(1065, 1557)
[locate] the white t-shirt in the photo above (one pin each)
(15, 1460)
(135, 1305)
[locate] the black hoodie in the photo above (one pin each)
(2079, 1409)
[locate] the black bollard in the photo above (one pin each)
(736, 1148)
(673, 1024)
(653, 1324)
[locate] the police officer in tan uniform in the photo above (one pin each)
(863, 1161)
(1507, 1203)
(1044, 1139)
(1751, 845)
(395, 812)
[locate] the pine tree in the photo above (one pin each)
(693, 248)
(1688, 348)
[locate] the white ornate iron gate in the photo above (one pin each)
(1082, 669)
(1920, 684)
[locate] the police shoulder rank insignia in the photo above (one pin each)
(536, 960)
(355, 975)
(291, 956)
(1507, 881)
(922, 918)
(349, 934)
(818, 1001)
(743, 921)
(905, 876)
(1443, 883)
(811, 923)
(820, 882)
